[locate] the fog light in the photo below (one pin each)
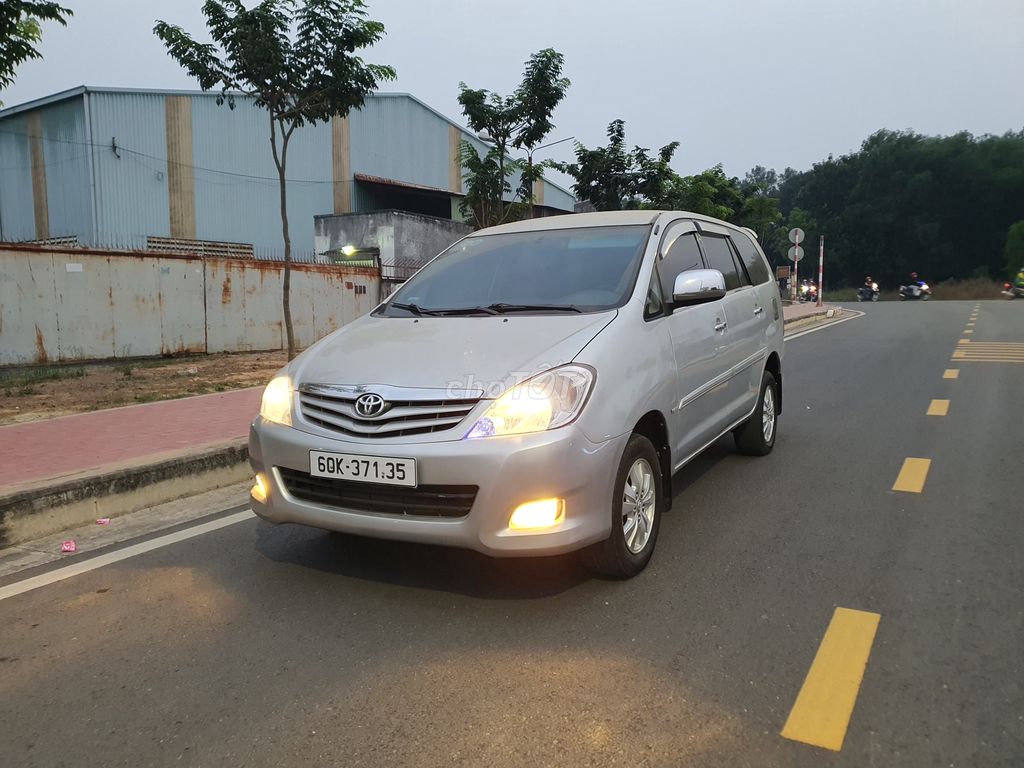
(259, 490)
(543, 513)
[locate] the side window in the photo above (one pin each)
(719, 256)
(683, 254)
(752, 258)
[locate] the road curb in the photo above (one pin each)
(50, 506)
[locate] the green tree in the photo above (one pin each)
(21, 31)
(937, 205)
(613, 178)
(296, 59)
(519, 121)
(1014, 250)
(710, 193)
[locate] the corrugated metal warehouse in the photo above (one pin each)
(111, 167)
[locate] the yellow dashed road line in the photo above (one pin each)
(938, 408)
(951, 373)
(822, 711)
(912, 475)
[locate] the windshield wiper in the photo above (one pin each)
(444, 312)
(503, 307)
(415, 309)
(467, 311)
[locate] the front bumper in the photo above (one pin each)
(508, 471)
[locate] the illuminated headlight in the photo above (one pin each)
(874, 286)
(924, 286)
(548, 401)
(276, 405)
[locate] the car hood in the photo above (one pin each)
(485, 354)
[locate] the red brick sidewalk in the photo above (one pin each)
(71, 445)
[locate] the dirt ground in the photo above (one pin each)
(28, 394)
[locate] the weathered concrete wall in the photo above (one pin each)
(406, 240)
(65, 305)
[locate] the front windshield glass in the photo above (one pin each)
(563, 270)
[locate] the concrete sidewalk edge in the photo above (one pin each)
(28, 514)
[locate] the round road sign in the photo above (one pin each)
(796, 253)
(796, 235)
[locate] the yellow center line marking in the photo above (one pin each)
(968, 331)
(962, 359)
(821, 713)
(959, 355)
(965, 341)
(951, 373)
(938, 408)
(912, 475)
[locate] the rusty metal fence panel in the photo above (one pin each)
(77, 304)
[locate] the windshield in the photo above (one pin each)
(564, 270)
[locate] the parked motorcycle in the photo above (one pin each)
(868, 292)
(915, 291)
(1015, 288)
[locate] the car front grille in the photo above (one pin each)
(336, 412)
(424, 501)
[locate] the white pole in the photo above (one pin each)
(796, 275)
(821, 269)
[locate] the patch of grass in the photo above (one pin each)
(26, 377)
(967, 290)
(841, 294)
(146, 397)
(125, 370)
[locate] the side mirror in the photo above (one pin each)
(698, 286)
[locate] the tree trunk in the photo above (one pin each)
(281, 161)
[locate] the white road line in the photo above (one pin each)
(84, 566)
(798, 334)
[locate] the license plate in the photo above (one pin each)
(385, 470)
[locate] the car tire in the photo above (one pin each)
(756, 437)
(623, 555)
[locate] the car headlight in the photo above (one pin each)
(276, 405)
(548, 401)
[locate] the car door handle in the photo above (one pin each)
(721, 326)
(759, 310)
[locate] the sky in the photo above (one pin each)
(739, 82)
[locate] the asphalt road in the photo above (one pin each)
(262, 646)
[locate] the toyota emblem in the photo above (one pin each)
(370, 405)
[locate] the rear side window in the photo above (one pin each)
(683, 254)
(752, 258)
(719, 256)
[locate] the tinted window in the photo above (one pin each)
(752, 259)
(719, 256)
(594, 269)
(683, 254)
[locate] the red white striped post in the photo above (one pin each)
(821, 269)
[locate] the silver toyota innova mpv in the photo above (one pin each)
(531, 390)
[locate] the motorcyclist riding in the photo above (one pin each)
(868, 291)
